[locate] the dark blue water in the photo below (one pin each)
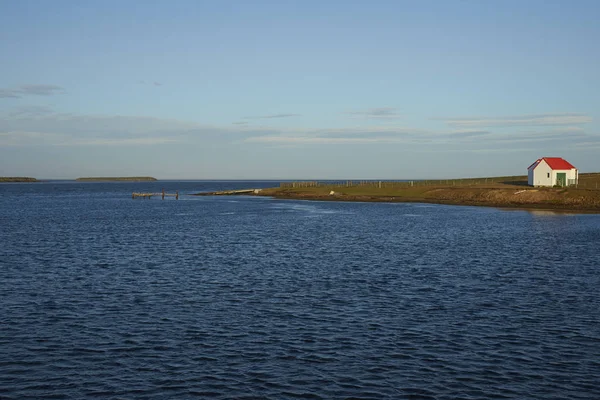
(102, 296)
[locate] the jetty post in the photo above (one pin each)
(162, 194)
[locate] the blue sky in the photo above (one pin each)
(297, 89)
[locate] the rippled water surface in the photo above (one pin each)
(102, 296)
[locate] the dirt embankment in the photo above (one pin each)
(570, 199)
(577, 199)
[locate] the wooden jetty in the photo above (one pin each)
(135, 195)
(228, 192)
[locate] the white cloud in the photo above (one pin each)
(24, 138)
(366, 135)
(41, 126)
(31, 89)
(314, 140)
(144, 141)
(376, 113)
(32, 125)
(273, 116)
(30, 111)
(556, 119)
(465, 139)
(53, 139)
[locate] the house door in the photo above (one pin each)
(561, 178)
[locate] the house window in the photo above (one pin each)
(548, 174)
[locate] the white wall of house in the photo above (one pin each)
(530, 180)
(543, 175)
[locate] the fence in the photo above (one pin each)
(400, 183)
(588, 185)
(586, 181)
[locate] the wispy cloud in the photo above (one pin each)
(343, 136)
(145, 141)
(286, 140)
(30, 90)
(272, 116)
(153, 83)
(370, 132)
(35, 126)
(41, 126)
(9, 93)
(561, 134)
(468, 134)
(376, 113)
(56, 139)
(555, 119)
(590, 143)
(30, 111)
(467, 139)
(26, 138)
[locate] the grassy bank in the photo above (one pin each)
(493, 192)
(117, 178)
(17, 179)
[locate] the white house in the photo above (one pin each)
(552, 171)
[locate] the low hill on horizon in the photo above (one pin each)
(17, 179)
(117, 178)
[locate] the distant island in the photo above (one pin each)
(117, 178)
(17, 179)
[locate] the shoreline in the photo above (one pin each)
(564, 201)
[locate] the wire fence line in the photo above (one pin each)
(588, 185)
(593, 183)
(393, 184)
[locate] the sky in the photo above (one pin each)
(297, 89)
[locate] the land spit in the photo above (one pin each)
(499, 192)
(229, 192)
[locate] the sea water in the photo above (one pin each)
(102, 296)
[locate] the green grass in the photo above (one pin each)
(586, 181)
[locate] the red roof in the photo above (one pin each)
(554, 163)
